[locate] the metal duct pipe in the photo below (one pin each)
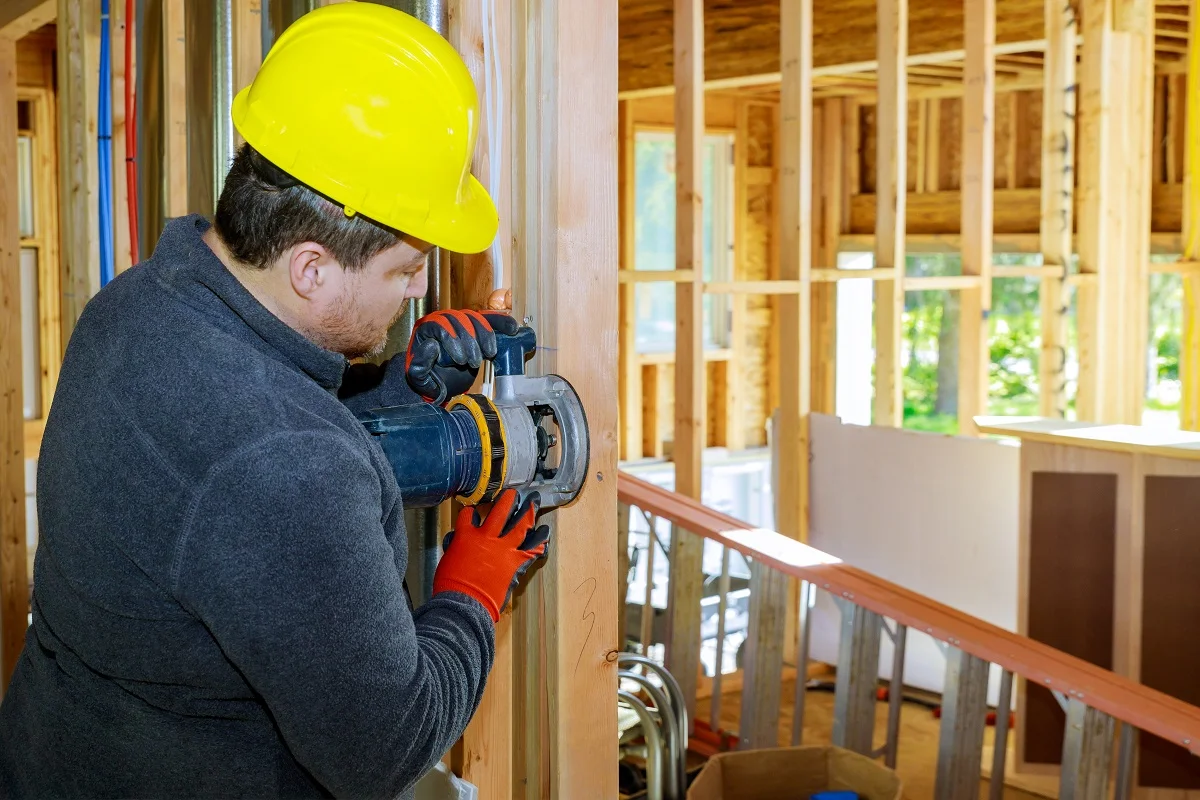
(223, 150)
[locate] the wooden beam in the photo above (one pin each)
(839, 70)
(78, 93)
(683, 622)
(1189, 368)
(890, 196)
(830, 182)
(565, 229)
(737, 375)
(119, 28)
(978, 184)
(14, 579)
(1114, 195)
(1058, 200)
(795, 264)
(486, 752)
(247, 47)
(19, 17)
(630, 372)
(174, 64)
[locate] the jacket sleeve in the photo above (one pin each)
(367, 386)
(285, 560)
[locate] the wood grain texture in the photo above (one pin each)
(689, 246)
(78, 29)
(19, 17)
(1057, 200)
(742, 38)
(174, 109)
(629, 379)
(978, 185)
(565, 226)
(487, 753)
(118, 30)
(247, 47)
(1189, 414)
(890, 213)
(14, 580)
(828, 171)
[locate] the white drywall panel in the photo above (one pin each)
(936, 514)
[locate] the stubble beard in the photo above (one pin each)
(343, 330)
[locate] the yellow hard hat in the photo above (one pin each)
(373, 109)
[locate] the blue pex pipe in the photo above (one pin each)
(104, 150)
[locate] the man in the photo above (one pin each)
(219, 608)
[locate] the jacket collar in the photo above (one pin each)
(191, 260)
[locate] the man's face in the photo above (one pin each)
(355, 313)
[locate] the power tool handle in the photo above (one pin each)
(512, 351)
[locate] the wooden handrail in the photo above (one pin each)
(1115, 695)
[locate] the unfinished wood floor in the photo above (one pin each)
(916, 762)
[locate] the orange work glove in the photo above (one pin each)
(446, 349)
(490, 548)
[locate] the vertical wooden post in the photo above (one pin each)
(174, 110)
(565, 227)
(683, 636)
(78, 28)
(14, 580)
(1058, 199)
(1114, 195)
(119, 28)
(1189, 410)
(891, 184)
(630, 377)
(978, 181)
(487, 754)
(828, 170)
(795, 263)
(689, 246)
(247, 47)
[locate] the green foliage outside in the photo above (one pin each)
(931, 332)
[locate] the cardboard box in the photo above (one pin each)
(793, 773)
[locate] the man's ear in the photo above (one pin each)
(309, 268)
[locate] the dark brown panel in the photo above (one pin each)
(1072, 551)
(1170, 610)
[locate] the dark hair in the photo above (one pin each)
(263, 211)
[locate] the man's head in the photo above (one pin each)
(340, 280)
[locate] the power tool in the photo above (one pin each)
(530, 434)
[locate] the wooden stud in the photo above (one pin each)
(565, 227)
(14, 580)
(78, 63)
(1057, 200)
(630, 371)
(487, 757)
(174, 123)
(890, 203)
(795, 264)
(830, 182)
(652, 392)
(683, 637)
(933, 164)
(119, 28)
(247, 47)
(1115, 87)
(978, 184)
(923, 154)
(737, 375)
(1189, 368)
(689, 247)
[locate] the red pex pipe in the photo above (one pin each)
(131, 134)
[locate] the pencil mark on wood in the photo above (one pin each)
(588, 616)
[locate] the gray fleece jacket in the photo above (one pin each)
(219, 607)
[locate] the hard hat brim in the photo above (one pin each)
(467, 227)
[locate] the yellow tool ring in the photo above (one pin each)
(491, 439)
